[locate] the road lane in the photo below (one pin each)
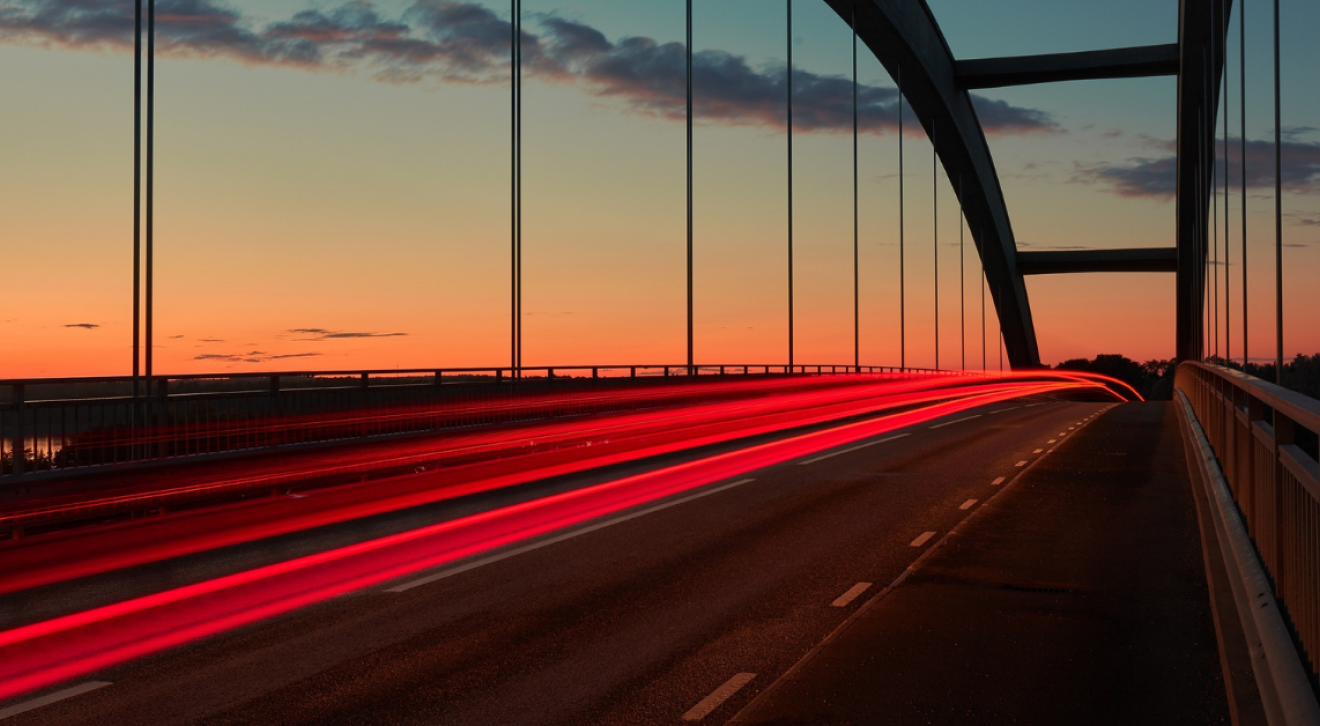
(633, 623)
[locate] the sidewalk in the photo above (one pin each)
(1078, 596)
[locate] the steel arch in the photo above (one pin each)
(906, 39)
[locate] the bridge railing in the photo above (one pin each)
(51, 424)
(1266, 439)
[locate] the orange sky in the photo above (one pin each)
(329, 219)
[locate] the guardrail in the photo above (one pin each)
(1265, 438)
(67, 423)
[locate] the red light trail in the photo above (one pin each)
(44, 653)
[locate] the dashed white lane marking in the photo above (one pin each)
(1063, 433)
(721, 694)
(967, 504)
(1014, 408)
(950, 423)
(560, 538)
(1051, 441)
(50, 698)
(851, 595)
(1022, 463)
(997, 482)
(1033, 405)
(923, 539)
(1070, 428)
(849, 450)
(1037, 451)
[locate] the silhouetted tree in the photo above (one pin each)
(1154, 378)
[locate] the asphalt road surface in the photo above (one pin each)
(683, 609)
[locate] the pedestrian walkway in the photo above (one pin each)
(1078, 596)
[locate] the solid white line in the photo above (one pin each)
(1037, 451)
(851, 595)
(721, 694)
(559, 538)
(950, 423)
(1022, 463)
(923, 539)
(967, 504)
(849, 450)
(997, 481)
(52, 698)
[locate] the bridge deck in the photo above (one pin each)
(1079, 596)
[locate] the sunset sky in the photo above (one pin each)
(332, 184)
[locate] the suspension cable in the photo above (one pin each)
(1242, 100)
(857, 324)
(515, 202)
(151, 193)
(1278, 206)
(137, 194)
(1228, 248)
(935, 233)
(789, 37)
(902, 272)
(690, 345)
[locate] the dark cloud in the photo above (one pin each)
(1157, 177)
(319, 334)
(175, 337)
(84, 326)
(255, 356)
(461, 42)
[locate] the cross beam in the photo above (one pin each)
(1139, 62)
(1054, 262)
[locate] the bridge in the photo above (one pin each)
(651, 541)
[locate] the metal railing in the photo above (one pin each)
(49, 424)
(1265, 438)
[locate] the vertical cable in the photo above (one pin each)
(518, 112)
(1278, 206)
(689, 190)
(1242, 93)
(789, 5)
(935, 233)
(962, 278)
(513, 187)
(902, 278)
(1228, 249)
(137, 194)
(1214, 214)
(857, 319)
(984, 285)
(151, 192)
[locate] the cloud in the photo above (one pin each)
(450, 41)
(1156, 177)
(255, 356)
(319, 334)
(84, 326)
(175, 337)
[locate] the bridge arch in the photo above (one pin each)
(905, 37)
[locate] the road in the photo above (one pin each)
(637, 622)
